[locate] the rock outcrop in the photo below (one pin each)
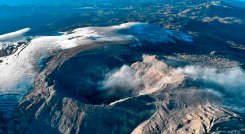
(164, 105)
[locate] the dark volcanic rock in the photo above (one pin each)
(105, 85)
(164, 108)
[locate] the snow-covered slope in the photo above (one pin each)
(19, 69)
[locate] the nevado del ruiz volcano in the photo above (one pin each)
(141, 67)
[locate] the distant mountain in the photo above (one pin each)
(235, 3)
(21, 2)
(60, 2)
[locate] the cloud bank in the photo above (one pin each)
(230, 82)
(13, 35)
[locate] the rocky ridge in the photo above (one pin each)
(163, 107)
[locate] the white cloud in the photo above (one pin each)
(13, 35)
(231, 80)
(123, 78)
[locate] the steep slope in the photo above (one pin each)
(103, 80)
(172, 107)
